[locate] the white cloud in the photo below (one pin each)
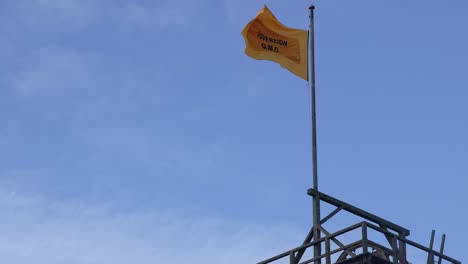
(38, 231)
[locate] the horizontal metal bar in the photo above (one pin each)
(342, 231)
(351, 246)
(284, 254)
(359, 212)
(313, 259)
(428, 250)
(347, 247)
(380, 229)
(337, 242)
(414, 244)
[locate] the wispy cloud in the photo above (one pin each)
(159, 16)
(49, 15)
(163, 15)
(158, 153)
(40, 231)
(50, 69)
(50, 64)
(57, 16)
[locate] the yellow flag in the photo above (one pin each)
(267, 39)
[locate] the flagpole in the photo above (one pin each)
(316, 198)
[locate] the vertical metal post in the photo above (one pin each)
(402, 248)
(441, 248)
(395, 249)
(364, 238)
(292, 258)
(316, 199)
(431, 244)
(430, 257)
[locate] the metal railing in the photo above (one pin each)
(394, 254)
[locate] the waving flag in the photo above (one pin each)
(267, 39)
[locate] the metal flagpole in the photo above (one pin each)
(316, 199)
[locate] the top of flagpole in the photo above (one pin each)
(311, 7)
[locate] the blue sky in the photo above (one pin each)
(132, 128)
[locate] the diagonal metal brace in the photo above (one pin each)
(307, 240)
(337, 242)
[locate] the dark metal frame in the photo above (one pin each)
(395, 235)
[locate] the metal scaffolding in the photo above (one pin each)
(363, 249)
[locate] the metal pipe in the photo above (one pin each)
(441, 248)
(316, 200)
